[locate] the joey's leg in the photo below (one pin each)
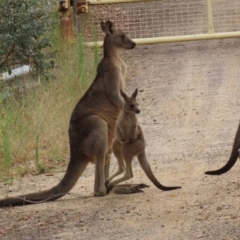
(129, 150)
(128, 174)
(116, 147)
(107, 169)
(107, 163)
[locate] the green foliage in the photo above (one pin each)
(96, 47)
(39, 166)
(34, 122)
(25, 28)
(4, 135)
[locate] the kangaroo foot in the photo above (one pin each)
(129, 188)
(100, 194)
(141, 185)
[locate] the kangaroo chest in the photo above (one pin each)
(122, 72)
(128, 127)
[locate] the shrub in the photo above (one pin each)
(25, 28)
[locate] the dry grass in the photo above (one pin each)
(33, 126)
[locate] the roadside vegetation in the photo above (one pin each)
(34, 120)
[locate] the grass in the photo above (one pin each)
(39, 166)
(34, 123)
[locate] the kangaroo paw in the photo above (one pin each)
(100, 194)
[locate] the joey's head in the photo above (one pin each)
(130, 103)
(115, 37)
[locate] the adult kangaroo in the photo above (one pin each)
(92, 123)
(233, 157)
(128, 143)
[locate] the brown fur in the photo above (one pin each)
(128, 143)
(233, 157)
(92, 123)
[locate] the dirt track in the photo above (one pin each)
(189, 97)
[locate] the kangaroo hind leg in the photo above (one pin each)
(107, 163)
(95, 146)
(127, 175)
(117, 150)
(125, 188)
(128, 156)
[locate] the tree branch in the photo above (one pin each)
(8, 55)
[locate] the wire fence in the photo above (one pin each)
(162, 18)
(226, 15)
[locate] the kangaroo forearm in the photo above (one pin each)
(116, 100)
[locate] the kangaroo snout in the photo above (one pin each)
(133, 45)
(137, 111)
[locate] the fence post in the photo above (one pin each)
(65, 20)
(210, 17)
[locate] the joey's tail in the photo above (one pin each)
(75, 168)
(148, 171)
(233, 157)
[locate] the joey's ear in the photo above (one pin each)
(124, 95)
(135, 93)
(107, 26)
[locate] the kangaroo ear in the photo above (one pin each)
(107, 27)
(124, 95)
(103, 26)
(135, 93)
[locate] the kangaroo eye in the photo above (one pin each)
(123, 36)
(131, 105)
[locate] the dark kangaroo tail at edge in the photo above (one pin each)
(148, 171)
(75, 168)
(233, 158)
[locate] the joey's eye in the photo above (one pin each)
(131, 105)
(123, 36)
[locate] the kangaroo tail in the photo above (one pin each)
(233, 157)
(232, 160)
(148, 171)
(75, 168)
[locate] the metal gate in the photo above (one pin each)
(149, 22)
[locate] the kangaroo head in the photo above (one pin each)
(116, 37)
(130, 103)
